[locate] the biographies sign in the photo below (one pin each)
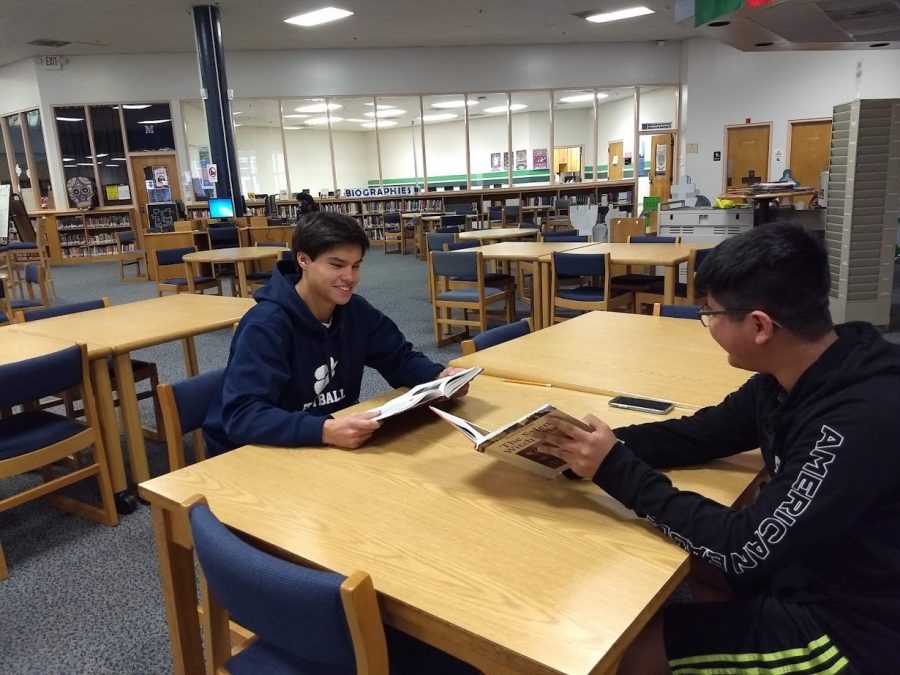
(386, 191)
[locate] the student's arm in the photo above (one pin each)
(718, 431)
(392, 355)
(834, 470)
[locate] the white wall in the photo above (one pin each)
(309, 160)
(19, 87)
(727, 86)
(351, 157)
(264, 143)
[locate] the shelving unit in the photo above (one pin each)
(75, 236)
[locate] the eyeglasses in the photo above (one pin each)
(705, 312)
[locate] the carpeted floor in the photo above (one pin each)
(84, 598)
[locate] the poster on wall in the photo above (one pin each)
(539, 158)
(659, 164)
(160, 176)
(506, 161)
(495, 161)
(521, 160)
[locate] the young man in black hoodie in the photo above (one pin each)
(298, 356)
(810, 573)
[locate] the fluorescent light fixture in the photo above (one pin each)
(135, 106)
(318, 17)
(460, 103)
(102, 154)
(355, 119)
(391, 112)
(318, 108)
(238, 112)
(578, 98)
(115, 166)
(118, 159)
(154, 121)
(381, 106)
(502, 108)
(619, 14)
(291, 117)
(318, 121)
(440, 117)
(85, 164)
(238, 125)
(292, 128)
(68, 159)
(70, 119)
(380, 124)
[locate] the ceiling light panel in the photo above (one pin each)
(318, 17)
(318, 107)
(618, 15)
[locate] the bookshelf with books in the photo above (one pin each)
(89, 236)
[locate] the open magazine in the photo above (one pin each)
(428, 392)
(514, 443)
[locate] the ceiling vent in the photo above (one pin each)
(44, 42)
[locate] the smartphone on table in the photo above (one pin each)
(648, 405)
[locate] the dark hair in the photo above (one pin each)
(306, 202)
(322, 231)
(779, 269)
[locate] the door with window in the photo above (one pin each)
(615, 160)
(161, 170)
(662, 158)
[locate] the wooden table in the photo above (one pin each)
(616, 353)
(527, 252)
(496, 234)
(507, 570)
(762, 214)
(238, 256)
(667, 256)
(121, 329)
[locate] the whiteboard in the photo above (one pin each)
(5, 191)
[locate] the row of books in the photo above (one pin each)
(89, 251)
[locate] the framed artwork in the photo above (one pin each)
(506, 161)
(539, 158)
(660, 159)
(495, 161)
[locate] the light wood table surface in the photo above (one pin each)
(15, 347)
(119, 330)
(528, 252)
(667, 256)
(507, 570)
(496, 234)
(617, 353)
(238, 256)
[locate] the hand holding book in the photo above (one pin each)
(582, 446)
(453, 382)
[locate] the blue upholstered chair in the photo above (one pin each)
(676, 311)
(511, 215)
(141, 370)
(495, 216)
(184, 406)
(445, 267)
(396, 234)
(567, 236)
(129, 255)
(35, 280)
(462, 244)
(685, 293)
(305, 621)
(639, 281)
(454, 220)
(495, 336)
(584, 297)
(172, 273)
(32, 440)
(556, 234)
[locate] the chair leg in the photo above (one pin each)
(4, 570)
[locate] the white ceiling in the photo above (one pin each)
(166, 26)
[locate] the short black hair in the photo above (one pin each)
(306, 202)
(779, 269)
(322, 231)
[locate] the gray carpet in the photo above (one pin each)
(84, 598)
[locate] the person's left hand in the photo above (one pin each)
(452, 371)
(584, 451)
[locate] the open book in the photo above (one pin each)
(514, 443)
(428, 392)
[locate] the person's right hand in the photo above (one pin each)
(350, 431)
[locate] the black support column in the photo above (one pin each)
(211, 59)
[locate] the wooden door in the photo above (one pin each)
(140, 162)
(615, 160)
(808, 152)
(746, 151)
(662, 159)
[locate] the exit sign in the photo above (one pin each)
(50, 62)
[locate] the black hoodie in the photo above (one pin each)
(825, 530)
(287, 372)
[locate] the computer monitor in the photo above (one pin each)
(221, 207)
